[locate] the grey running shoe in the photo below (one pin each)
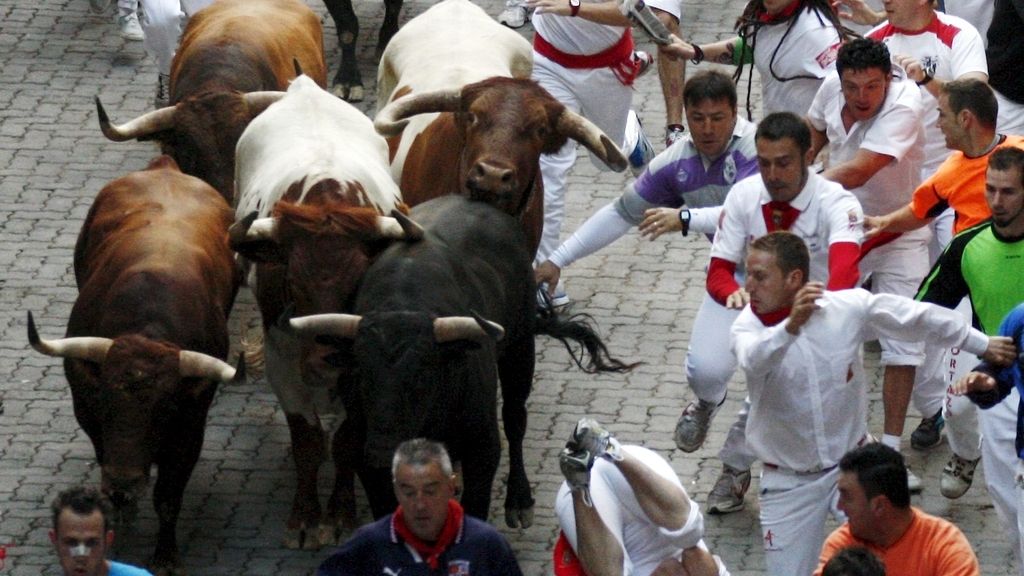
(914, 483)
(590, 437)
(692, 427)
(727, 495)
(163, 91)
(513, 16)
(957, 476)
(575, 467)
(928, 433)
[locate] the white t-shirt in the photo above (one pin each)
(948, 48)
(576, 35)
(828, 214)
(807, 46)
(895, 131)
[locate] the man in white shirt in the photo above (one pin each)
(784, 196)
(800, 348)
(870, 115)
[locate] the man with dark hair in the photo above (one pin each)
(683, 188)
(986, 263)
(871, 119)
(784, 196)
(874, 496)
(81, 534)
(428, 533)
(854, 561)
(800, 348)
(967, 117)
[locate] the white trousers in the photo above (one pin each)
(1011, 115)
(599, 96)
(1019, 484)
(794, 509)
(999, 460)
(162, 22)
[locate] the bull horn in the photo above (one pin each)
(392, 118)
(342, 325)
(89, 348)
(413, 232)
(587, 133)
(390, 228)
(148, 123)
(259, 101)
(252, 228)
(451, 328)
(198, 365)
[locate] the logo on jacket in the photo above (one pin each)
(390, 572)
(729, 169)
(458, 568)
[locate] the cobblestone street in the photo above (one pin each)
(56, 56)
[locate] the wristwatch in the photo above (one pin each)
(684, 219)
(574, 7)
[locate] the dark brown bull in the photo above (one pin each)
(487, 143)
(348, 82)
(148, 334)
(230, 48)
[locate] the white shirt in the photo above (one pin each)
(895, 131)
(809, 49)
(948, 48)
(808, 396)
(828, 214)
(576, 35)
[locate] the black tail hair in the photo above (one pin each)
(580, 328)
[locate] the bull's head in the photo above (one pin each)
(505, 125)
(413, 369)
(320, 248)
(200, 132)
(127, 389)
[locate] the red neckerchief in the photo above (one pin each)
(431, 552)
(782, 16)
(772, 318)
(779, 215)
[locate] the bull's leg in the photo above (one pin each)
(479, 465)
(307, 452)
(392, 10)
(175, 463)
(515, 368)
(347, 83)
(379, 491)
(341, 507)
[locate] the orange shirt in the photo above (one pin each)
(931, 546)
(959, 182)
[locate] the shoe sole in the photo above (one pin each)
(720, 510)
(918, 446)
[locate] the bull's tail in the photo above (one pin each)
(251, 344)
(580, 329)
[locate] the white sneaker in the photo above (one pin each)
(130, 28)
(638, 148)
(513, 16)
(957, 476)
(913, 482)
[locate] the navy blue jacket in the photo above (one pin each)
(478, 550)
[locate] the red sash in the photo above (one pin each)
(618, 57)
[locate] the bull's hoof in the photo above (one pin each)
(348, 93)
(519, 517)
(336, 534)
(301, 538)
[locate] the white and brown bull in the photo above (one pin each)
(462, 115)
(313, 181)
(228, 49)
(147, 336)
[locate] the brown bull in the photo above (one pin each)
(486, 144)
(228, 49)
(148, 334)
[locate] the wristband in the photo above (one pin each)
(927, 78)
(684, 219)
(698, 54)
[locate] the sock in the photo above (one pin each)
(891, 441)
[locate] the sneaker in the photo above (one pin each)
(590, 438)
(547, 302)
(957, 476)
(914, 483)
(928, 433)
(100, 6)
(130, 28)
(163, 91)
(643, 61)
(693, 424)
(638, 148)
(674, 133)
(727, 495)
(513, 16)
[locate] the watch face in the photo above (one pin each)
(574, 3)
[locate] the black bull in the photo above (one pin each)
(415, 377)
